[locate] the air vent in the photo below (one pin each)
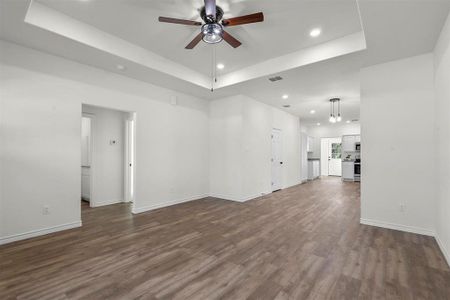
(275, 78)
(286, 106)
(355, 120)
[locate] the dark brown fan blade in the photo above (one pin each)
(210, 8)
(231, 40)
(195, 41)
(253, 18)
(179, 21)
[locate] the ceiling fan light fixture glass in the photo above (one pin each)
(212, 33)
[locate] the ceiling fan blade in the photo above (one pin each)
(210, 8)
(179, 21)
(252, 18)
(195, 41)
(231, 40)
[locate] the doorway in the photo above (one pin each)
(277, 162)
(331, 155)
(107, 156)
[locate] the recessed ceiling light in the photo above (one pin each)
(315, 32)
(318, 124)
(312, 111)
(220, 66)
(348, 121)
(285, 96)
(120, 67)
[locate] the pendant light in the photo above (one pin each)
(333, 118)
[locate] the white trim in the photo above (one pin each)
(138, 210)
(91, 155)
(241, 199)
(109, 202)
(400, 227)
(443, 249)
(38, 232)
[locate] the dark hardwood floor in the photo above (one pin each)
(304, 242)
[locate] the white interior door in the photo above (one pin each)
(334, 157)
(277, 162)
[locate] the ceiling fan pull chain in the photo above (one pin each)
(213, 68)
(215, 63)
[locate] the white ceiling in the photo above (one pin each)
(393, 29)
(285, 28)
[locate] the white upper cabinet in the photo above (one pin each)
(348, 143)
(310, 144)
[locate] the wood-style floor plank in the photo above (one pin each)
(304, 242)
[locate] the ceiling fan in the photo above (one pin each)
(212, 31)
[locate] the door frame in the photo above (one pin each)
(91, 157)
(130, 158)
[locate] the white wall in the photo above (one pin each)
(330, 130)
(240, 147)
(40, 155)
(225, 148)
(41, 98)
(108, 169)
(442, 85)
(397, 134)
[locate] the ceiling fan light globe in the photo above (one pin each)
(212, 33)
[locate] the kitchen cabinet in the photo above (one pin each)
(348, 143)
(310, 144)
(313, 169)
(347, 170)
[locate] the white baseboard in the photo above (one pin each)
(443, 249)
(236, 199)
(38, 232)
(138, 210)
(399, 227)
(98, 204)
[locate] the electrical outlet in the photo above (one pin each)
(46, 210)
(402, 207)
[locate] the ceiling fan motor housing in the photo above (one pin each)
(209, 19)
